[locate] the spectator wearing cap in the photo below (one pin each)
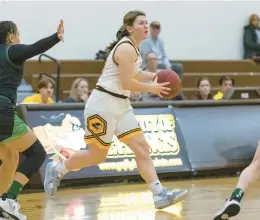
(154, 44)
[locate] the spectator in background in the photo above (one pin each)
(153, 44)
(203, 92)
(226, 88)
(252, 38)
(45, 92)
(79, 91)
(151, 63)
(136, 96)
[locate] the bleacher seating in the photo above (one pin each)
(245, 73)
(242, 82)
(23, 91)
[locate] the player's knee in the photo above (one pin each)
(35, 157)
(37, 153)
(98, 155)
(11, 155)
(139, 146)
(99, 160)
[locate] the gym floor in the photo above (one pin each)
(134, 202)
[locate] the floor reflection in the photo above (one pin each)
(110, 206)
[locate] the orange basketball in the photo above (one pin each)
(174, 80)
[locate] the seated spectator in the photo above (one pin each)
(45, 92)
(136, 96)
(226, 88)
(79, 91)
(203, 92)
(153, 44)
(252, 38)
(151, 63)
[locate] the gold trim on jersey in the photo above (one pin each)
(128, 134)
(93, 140)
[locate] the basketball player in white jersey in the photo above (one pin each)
(108, 112)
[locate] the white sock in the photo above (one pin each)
(156, 187)
(62, 169)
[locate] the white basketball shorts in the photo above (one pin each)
(106, 116)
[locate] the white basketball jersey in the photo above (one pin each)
(109, 78)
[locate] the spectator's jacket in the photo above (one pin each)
(70, 99)
(251, 47)
(150, 45)
(36, 99)
(197, 96)
(218, 96)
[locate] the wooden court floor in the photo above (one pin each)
(134, 202)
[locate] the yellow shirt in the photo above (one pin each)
(36, 99)
(218, 96)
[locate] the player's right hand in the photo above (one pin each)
(60, 31)
(159, 89)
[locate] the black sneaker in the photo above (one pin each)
(10, 209)
(230, 209)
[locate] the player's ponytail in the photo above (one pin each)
(122, 32)
(6, 28)
(129, 19)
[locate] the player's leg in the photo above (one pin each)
(21, 140)
(249, 175)
(10, 160)
(34, 160)
(98, 135)
(56, 170)
(131, 134)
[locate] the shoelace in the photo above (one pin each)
(59, 177)
(170, 189)
(165, 191)
(228, 198)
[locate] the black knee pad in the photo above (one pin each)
(35, 157)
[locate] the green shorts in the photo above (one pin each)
(11, 125)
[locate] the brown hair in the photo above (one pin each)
(226, 78)
(128, 20)
(6, 28)
(155, 24)
(251, 18)
(74, 86)
(43, 83)
(197, 95)
(201, 79)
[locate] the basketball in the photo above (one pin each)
(174, 80)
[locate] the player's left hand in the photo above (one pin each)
(60, 31)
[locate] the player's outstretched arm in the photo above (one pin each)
(18, 53)
(125, 56)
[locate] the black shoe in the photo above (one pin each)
(230, 209)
